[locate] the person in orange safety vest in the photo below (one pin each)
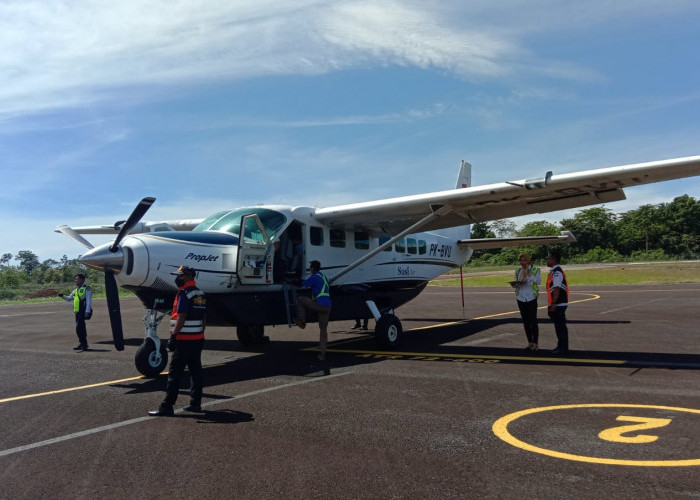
(558, 301)
(187, 322)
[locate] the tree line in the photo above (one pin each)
(28, 276)
(651, 232)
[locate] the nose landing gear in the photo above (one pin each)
(152, 356)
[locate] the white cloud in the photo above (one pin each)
(58, 54)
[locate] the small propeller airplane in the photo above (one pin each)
(377, 255)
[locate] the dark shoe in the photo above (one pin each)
(356, 327)
(301, 324)
(194, 408)
(80, 347)
(560, 351)
(163, 411)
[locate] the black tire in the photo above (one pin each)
(388, 331)
(250, 335)
(146, 359)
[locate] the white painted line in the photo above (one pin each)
(26, 314)
(116, 425)
(489, 339)
(641, 304)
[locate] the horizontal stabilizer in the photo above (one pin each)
(566, 238)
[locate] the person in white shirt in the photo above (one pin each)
(526, 284)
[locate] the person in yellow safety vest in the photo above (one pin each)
(81, 298)
(558, 301)
(319, 302)
(526, 284)
(187, 323)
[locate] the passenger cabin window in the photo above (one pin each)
(412, 246)
(316, 236)
(337, 237)
(361, 240)
(422, 247)
(400, 245)
(383, 240)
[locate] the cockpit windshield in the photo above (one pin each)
(229, 221)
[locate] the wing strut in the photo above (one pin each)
(438, 210)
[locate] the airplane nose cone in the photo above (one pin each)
(101, 258)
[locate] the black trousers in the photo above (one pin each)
(528, 311)
(558, 317)
(187, 353)
(80, 329)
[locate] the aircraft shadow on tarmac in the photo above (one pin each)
(298, 358)
(435, 339)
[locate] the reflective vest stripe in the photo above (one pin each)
(193, 328)
(324, 289)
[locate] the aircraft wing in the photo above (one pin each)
(503, 200)
(141, 227)
(565, 238)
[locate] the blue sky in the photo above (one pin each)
(208, 105)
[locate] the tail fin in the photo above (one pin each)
(465, 175)
(464, 180)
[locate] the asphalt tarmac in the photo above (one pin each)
(462, 410)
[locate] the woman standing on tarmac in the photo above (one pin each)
(526, 284)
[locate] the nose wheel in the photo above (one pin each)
(150, 362)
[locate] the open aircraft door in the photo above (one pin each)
(254, 252)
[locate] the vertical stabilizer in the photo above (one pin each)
(465, 175)
(464, 180)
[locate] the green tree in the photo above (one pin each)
(482, 230)
(6, 257)
(538, 253)
(640, 230)
(682, 218)
(28, 261)
(593, 227)
(504, 228)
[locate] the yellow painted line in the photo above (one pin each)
(82, 387)
(500, 429)
(70, 389)
(593, 296)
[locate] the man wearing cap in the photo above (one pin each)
(187, 322)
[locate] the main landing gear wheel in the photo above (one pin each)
(149, 362)
(388, 331)
(250, 335)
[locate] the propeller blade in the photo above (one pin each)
(133, 219)
(71, 233)
(115, 316)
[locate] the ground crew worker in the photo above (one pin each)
(187, 322)
(526, 284)
(82, 307)
(558, 301)
(320, 302)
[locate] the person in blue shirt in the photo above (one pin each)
(319, 302)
